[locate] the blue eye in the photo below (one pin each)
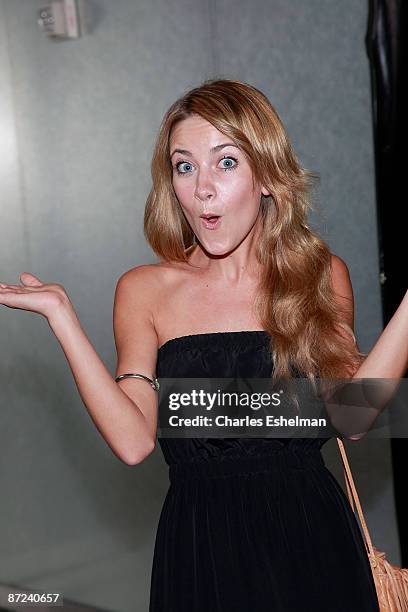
(228, 158)
(177, 167)
(187, 166)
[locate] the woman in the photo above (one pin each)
(243, 288)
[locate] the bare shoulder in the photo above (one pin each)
(148, 293)
(133, 325)
(339, 267)
(341, 277)
(342, 287)
(144, 275)
(139, 291)
(149, 279)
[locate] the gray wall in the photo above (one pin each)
(78, 121)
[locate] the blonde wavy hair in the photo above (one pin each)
(295, 302)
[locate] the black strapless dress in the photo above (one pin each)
(251, 525)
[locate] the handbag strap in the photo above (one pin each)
(352, 494)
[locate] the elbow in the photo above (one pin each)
(141, 453)
(356, 437)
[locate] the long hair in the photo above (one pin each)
(295, 301)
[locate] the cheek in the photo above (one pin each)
(239, 195)
(184, 195)
(181, 190)
(237, 185)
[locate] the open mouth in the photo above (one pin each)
(211, 222)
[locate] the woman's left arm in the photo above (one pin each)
(389, 356)
(388, 360)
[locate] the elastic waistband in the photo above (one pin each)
(227, 466)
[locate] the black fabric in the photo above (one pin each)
(251, 525)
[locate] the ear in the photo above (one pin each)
(265, 192)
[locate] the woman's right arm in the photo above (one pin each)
(128, 426)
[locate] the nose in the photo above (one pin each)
(203, 197)
(204, 189)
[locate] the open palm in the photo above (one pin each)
(32, 294)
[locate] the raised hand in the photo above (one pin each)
(35, 295)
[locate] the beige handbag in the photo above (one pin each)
(391, 582)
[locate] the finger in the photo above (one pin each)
(24, 288)
(12, 287)
(29, 279)
(16, 299)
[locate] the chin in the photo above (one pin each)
(218, 249)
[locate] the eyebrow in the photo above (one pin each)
(213, 150)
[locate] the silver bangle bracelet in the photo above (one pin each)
(152, 382)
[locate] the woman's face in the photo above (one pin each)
(211, 175)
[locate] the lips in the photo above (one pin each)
(210, 221)
(209, 215)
